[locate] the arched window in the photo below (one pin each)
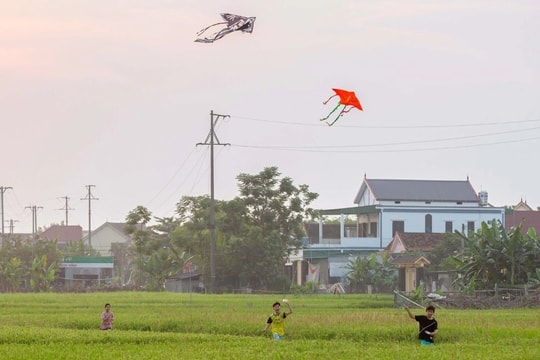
(428, 221)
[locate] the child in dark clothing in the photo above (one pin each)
(427, 325)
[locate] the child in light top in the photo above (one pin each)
(107, 318)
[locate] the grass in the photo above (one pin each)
(195, 326)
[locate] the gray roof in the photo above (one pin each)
(419, 190)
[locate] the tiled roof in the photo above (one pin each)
(419, 190)
(420, 241)
(531, 219)
(62, 233)
(410, 259)
(415, 242)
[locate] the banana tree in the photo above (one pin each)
(42, 274)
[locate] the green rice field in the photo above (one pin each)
(196, 326)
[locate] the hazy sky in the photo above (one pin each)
(117, 94)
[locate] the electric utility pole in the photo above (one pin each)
(212, 140)
(3, 189)
(11, 225)
(66, 208)
(34, 209)
(90, 197)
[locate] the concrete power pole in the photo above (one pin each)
(212, 140)
(90, 197)
(11, 225)
(3, 189)
(66, 208)
(34, 209)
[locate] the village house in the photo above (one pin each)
(384, 207)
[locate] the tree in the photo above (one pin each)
(11, 274)
(274, 218)
(159, 264)
(42, 273)
(274, 203)
(376, 270)
(494, 255)
(29, 264)
(441, 258)
(136, 220)
(254, 232)
(142, 247)
(79, 248)
(157, 251)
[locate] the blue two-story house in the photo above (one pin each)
(386, 206)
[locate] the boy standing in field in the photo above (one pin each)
(276, 321)
(427, 325)
(107, 318)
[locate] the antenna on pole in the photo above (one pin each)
(212, 140)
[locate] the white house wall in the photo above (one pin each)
(367, 199)
(102, 240)
(414, 219)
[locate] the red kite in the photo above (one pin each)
(346, 98)
(233, 23)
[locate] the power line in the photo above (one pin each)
(173, 176)
(399, 143)
(363, 126)
(292, 149)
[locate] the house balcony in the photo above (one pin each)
(348, 242)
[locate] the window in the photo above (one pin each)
(363, 230)
(373, 229)
(470, 226)
(448, 227)
(398, 225)
(427, 221)
(397, 202)
(350, 231)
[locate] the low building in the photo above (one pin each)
(86, 271)
(522, 214)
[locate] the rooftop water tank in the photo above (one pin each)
(483, 195)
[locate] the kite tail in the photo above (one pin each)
(331, 112)
(326, 102)
(205, 40)
(346, 110)
(208, 27)
(337, 117)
